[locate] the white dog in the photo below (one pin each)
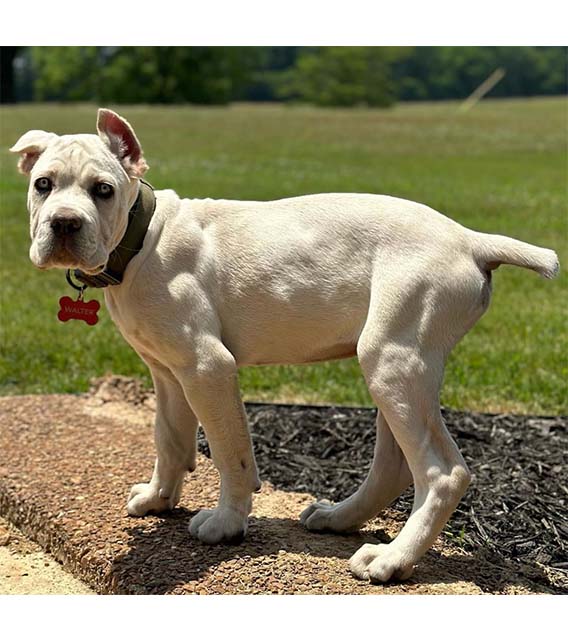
(219, 284)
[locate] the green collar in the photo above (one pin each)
(130, 244)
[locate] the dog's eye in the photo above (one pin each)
(43, 185)
(103, 190)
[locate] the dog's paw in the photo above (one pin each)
(380, 563)
(219, 525)
(325, 516)
(145, 498)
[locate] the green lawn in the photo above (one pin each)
(500, 168)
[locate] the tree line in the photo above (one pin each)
(326, 76)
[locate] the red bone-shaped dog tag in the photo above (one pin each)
(84, 310)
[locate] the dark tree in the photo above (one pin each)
(7, 55)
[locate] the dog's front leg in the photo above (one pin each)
(176, 444)
(211, 388)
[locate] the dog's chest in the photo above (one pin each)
(127, 318)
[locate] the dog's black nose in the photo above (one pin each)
(65, 225)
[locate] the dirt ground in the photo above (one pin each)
(27, 570)
(67, 465)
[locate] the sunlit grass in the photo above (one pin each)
(500, 168)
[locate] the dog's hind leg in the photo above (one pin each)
(440, 480)
(387, 478)
(413, 325)
(175, 435)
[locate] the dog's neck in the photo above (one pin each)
(130, 244)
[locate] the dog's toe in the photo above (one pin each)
(325, 516)
(196, 521)
(380, 563)
(313, 508)
(144, 498)
(318, 516)
(219, 525)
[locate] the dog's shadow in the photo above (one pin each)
(163, 558)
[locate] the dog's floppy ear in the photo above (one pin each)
(117, 133)
(31, 146)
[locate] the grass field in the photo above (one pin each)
(500, 168)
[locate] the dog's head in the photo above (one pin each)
(81, 189)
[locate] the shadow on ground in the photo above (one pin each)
(164, 559)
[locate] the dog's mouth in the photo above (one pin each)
(67, 254)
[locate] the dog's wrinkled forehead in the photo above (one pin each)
(75, 157)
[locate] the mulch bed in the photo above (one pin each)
(516, 507)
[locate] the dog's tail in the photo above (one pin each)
(491, 250)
